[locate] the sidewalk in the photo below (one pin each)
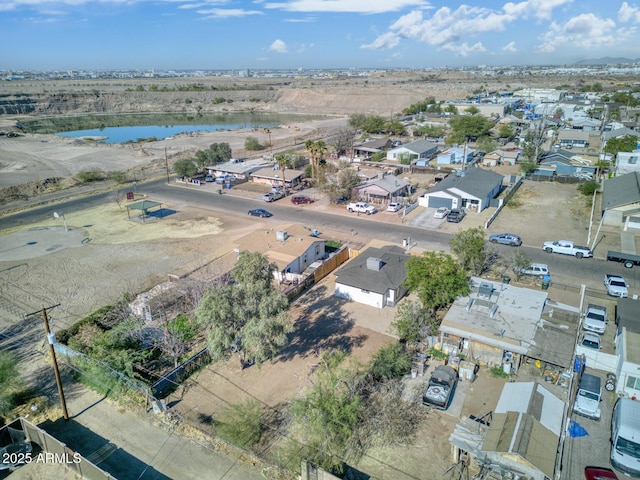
(133, 446)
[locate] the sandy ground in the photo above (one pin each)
(124, 256)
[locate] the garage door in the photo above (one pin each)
(437, 202)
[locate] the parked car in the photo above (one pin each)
(272, 196)
(209, 178)
(260, 212)
(506, 239)
(590, 340)
(442, 212)
(300, 199)
(224, 179)
(536, 269)
(394, 207)
(455, 216)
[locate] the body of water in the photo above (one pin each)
(132, 134)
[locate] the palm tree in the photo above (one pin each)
(316, 150)
(282, 161)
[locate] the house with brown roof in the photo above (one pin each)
(292, 248)
(273, 176)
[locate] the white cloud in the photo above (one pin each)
(228, 12)
(278, 46)
(464, 50)
(628, 13)
(300, 20)
(348, 6)
(510, 47)
(534, 8)
(444, 28)
(582, 31)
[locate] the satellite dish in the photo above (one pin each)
(55, 214)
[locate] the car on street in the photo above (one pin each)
(455, 216)
(394, 207)
(506, 239)
(442, 212)
(260, 212)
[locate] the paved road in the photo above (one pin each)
(566, 271)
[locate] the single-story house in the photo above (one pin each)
(501, 157)
(621, 199)
(293, 248)
(501, 324)
(627, 162)
(384, 190)
(455, 156)
(586, 124)
(472, 188)
(274, 176)
(627, 340)
(375, 277)
(559, 164)
(414, 151)
(569, 138)
(240, 169)
(617, 133)
(367, 149)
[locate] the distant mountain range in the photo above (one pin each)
(608, 61)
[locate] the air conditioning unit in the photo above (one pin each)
(281, 235)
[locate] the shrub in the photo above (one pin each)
(242, 424)
(88, 176)
(391, 361)
(252, 143)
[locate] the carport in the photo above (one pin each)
(145, 207)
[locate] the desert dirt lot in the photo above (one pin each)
(125, 256)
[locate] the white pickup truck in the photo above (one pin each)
(616, 286)
(567, 247)
(361, 207)
(595, 318)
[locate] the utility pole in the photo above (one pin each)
(166, 163)
(51, 339)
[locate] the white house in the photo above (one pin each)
(627, 341)
(455, 156)
(627, 162)
(414, 151)
(374, 277)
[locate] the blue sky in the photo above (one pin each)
(266, 34)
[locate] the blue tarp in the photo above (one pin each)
(576, 430)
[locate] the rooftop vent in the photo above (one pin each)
(485, 289)
(281, 235)
(374, 264)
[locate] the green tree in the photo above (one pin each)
(252, 143)
(391, 361)
(451, 108)
(216, 153)
(588, 188)
(10, 382)
(248, 316)
(519, 262)
(506, 130)
(468, 126)
(437, 278)
(357, 121)
(176, 337)
(317, 151)
(472, 110)
(185, 167)
(470, 247)
(394, 127)
(628, 143)
(329, 413)
(430, 131)
(412, 322)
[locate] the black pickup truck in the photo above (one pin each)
(441, 386)
(627, 259)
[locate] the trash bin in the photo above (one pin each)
(506, 279)
(546, 281)
(219, 191)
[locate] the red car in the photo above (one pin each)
(598, 473)
(299, 199)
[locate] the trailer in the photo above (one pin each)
(627, 259)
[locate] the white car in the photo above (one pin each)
(394, 207)
(442, 212)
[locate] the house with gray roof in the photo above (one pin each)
(367, 149)
(240, 169)
(621, 199)
(414, 151)
(500, 323)
(471, 189)
(375, 277)
(383, 190)
(627, 341)
(569, 138)
(627, 162)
